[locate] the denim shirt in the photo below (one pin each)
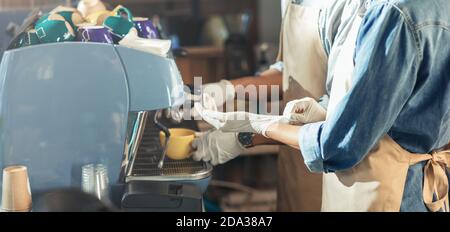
(401, 86)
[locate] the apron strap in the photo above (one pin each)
(435, 181)
(281, 47)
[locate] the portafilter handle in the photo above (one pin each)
(166, 140)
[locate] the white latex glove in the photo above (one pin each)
(303, 111)
(221, 91)
(216, 147)
(239, 121)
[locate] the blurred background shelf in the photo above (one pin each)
(28, 4)
(202, 61)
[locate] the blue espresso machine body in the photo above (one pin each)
(64, 105)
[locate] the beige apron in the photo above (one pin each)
(304, 75)
(377, 182)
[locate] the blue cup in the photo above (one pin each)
(72, 17)
(52, 28)
(120, 23)
(28, 38)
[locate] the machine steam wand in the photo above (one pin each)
(166, 140)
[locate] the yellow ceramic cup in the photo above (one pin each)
(179, 145)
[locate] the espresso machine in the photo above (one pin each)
(67, 105)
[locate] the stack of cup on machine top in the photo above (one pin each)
(59, 25)
(92, 22)
(69, 24)
(119, 22)
(137, 33)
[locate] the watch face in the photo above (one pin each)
(246, 139)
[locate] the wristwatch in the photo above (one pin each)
(246, 139)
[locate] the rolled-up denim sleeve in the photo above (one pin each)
(308, 138)
(386, 67)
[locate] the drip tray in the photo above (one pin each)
(145, 165)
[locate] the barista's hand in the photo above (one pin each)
(205, 101)
(216, 146)
(213, 96)
(303, 111)
(239, 121)
(220, 92)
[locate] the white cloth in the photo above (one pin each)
(239, 121)
(205, 100)
(216, 147)
(221, 92)
(303, 111)
(154, 46)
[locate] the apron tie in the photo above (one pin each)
(436, 181)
